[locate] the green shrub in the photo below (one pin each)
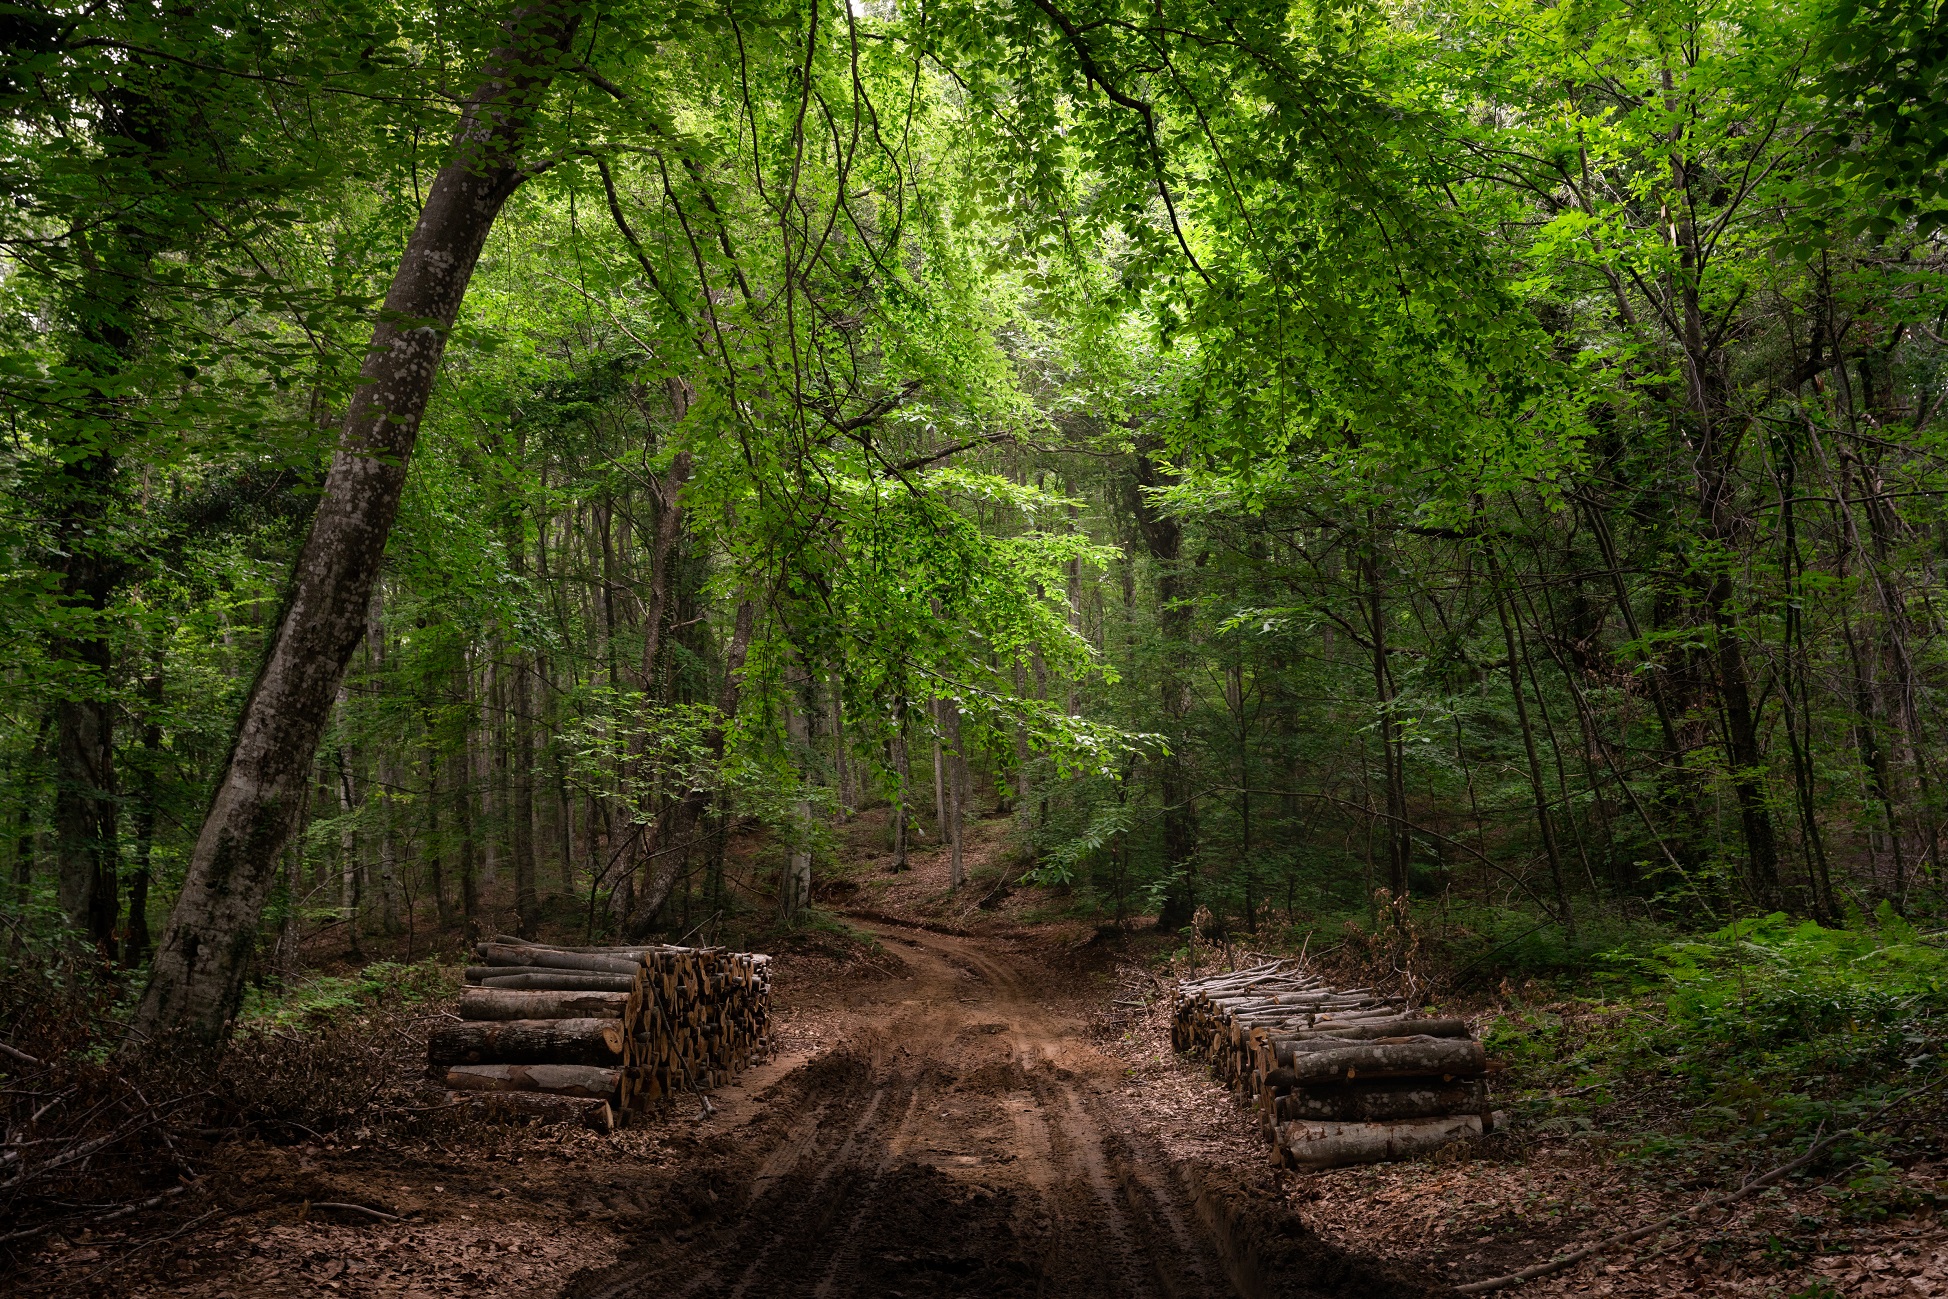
(326, 997)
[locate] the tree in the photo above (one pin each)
(203, 954)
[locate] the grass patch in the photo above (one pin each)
(314, 1001)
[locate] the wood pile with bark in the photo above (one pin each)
(1338, 1076)
(580, 1033)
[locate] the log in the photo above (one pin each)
(561, 981)
(1330, 1145)
(526, 1041)
(480, 974)
(554, 1079)
(1382, 1102)
(529, 958)
(1429, 1057)
(1403, 1026)
(475, 973)
(509, 1107)
(691, 1017)
(506, 1003)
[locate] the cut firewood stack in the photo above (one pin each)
(583, 1032)
(1338, 1076)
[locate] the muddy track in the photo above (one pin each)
(967, 1141)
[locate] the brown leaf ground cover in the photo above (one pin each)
(444, 1208)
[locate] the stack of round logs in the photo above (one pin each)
(578, 1033)
(1338, 1076)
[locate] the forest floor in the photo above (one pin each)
(969, 1099)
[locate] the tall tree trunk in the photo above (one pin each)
(939, 777)
(795, 886)
(348, 851)
(684, 820)
(562, 814)
(896, 755)
(956, 792)
(527, 904)
(843, 767)
(432, 843)
(463, 794)
(384, 783)
(30, 781)
(519, 695)
(1798, 694)
(1164, 537)
(1715, 426)
(1544, 822)
(87, 854)
(135, 946)
(493, 760)
(198, 973)
(1400, 844)
(1024, 788)
(668, 528)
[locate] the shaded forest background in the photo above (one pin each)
(1483, 452)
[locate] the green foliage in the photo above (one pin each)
(1861, 997)
(322, 999)
(1772, 1030)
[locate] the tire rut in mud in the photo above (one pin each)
(844, 1199)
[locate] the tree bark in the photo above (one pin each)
(1544, 822)
(689, 811)
(1164, 537)
(30, 780)
(551, 1079)
(1400, 844)
(519, 1003)
(1330, 1145)
(1429, 1057)
(526, 1041)
(590, 1112)
(1409, 1098)
(527, 903)
(668, 527)
(545, 980)
(530, 956)
(135, 943)
(85, 834)
(463, 801)
(199, 968)
(795, 886)
(957, 792)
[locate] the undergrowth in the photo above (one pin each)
(89, 1132)
(1763, 1035)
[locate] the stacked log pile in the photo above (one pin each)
(578, 1033)
(1338, 1076)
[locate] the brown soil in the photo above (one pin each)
(969, 1140)
(985, 1102)
(942, 1119)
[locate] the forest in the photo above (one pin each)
(1458, 480)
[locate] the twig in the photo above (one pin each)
(1813, 1152)
(21, 1057)
(355, 1208)
(122, 1212)
(1638, 1233)
(187, 1227)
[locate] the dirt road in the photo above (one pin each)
(966, 1139)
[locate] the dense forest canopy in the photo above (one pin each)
(1480, 451)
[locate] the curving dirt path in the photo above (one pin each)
(966, 1139)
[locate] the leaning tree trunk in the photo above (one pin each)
(201, 960)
